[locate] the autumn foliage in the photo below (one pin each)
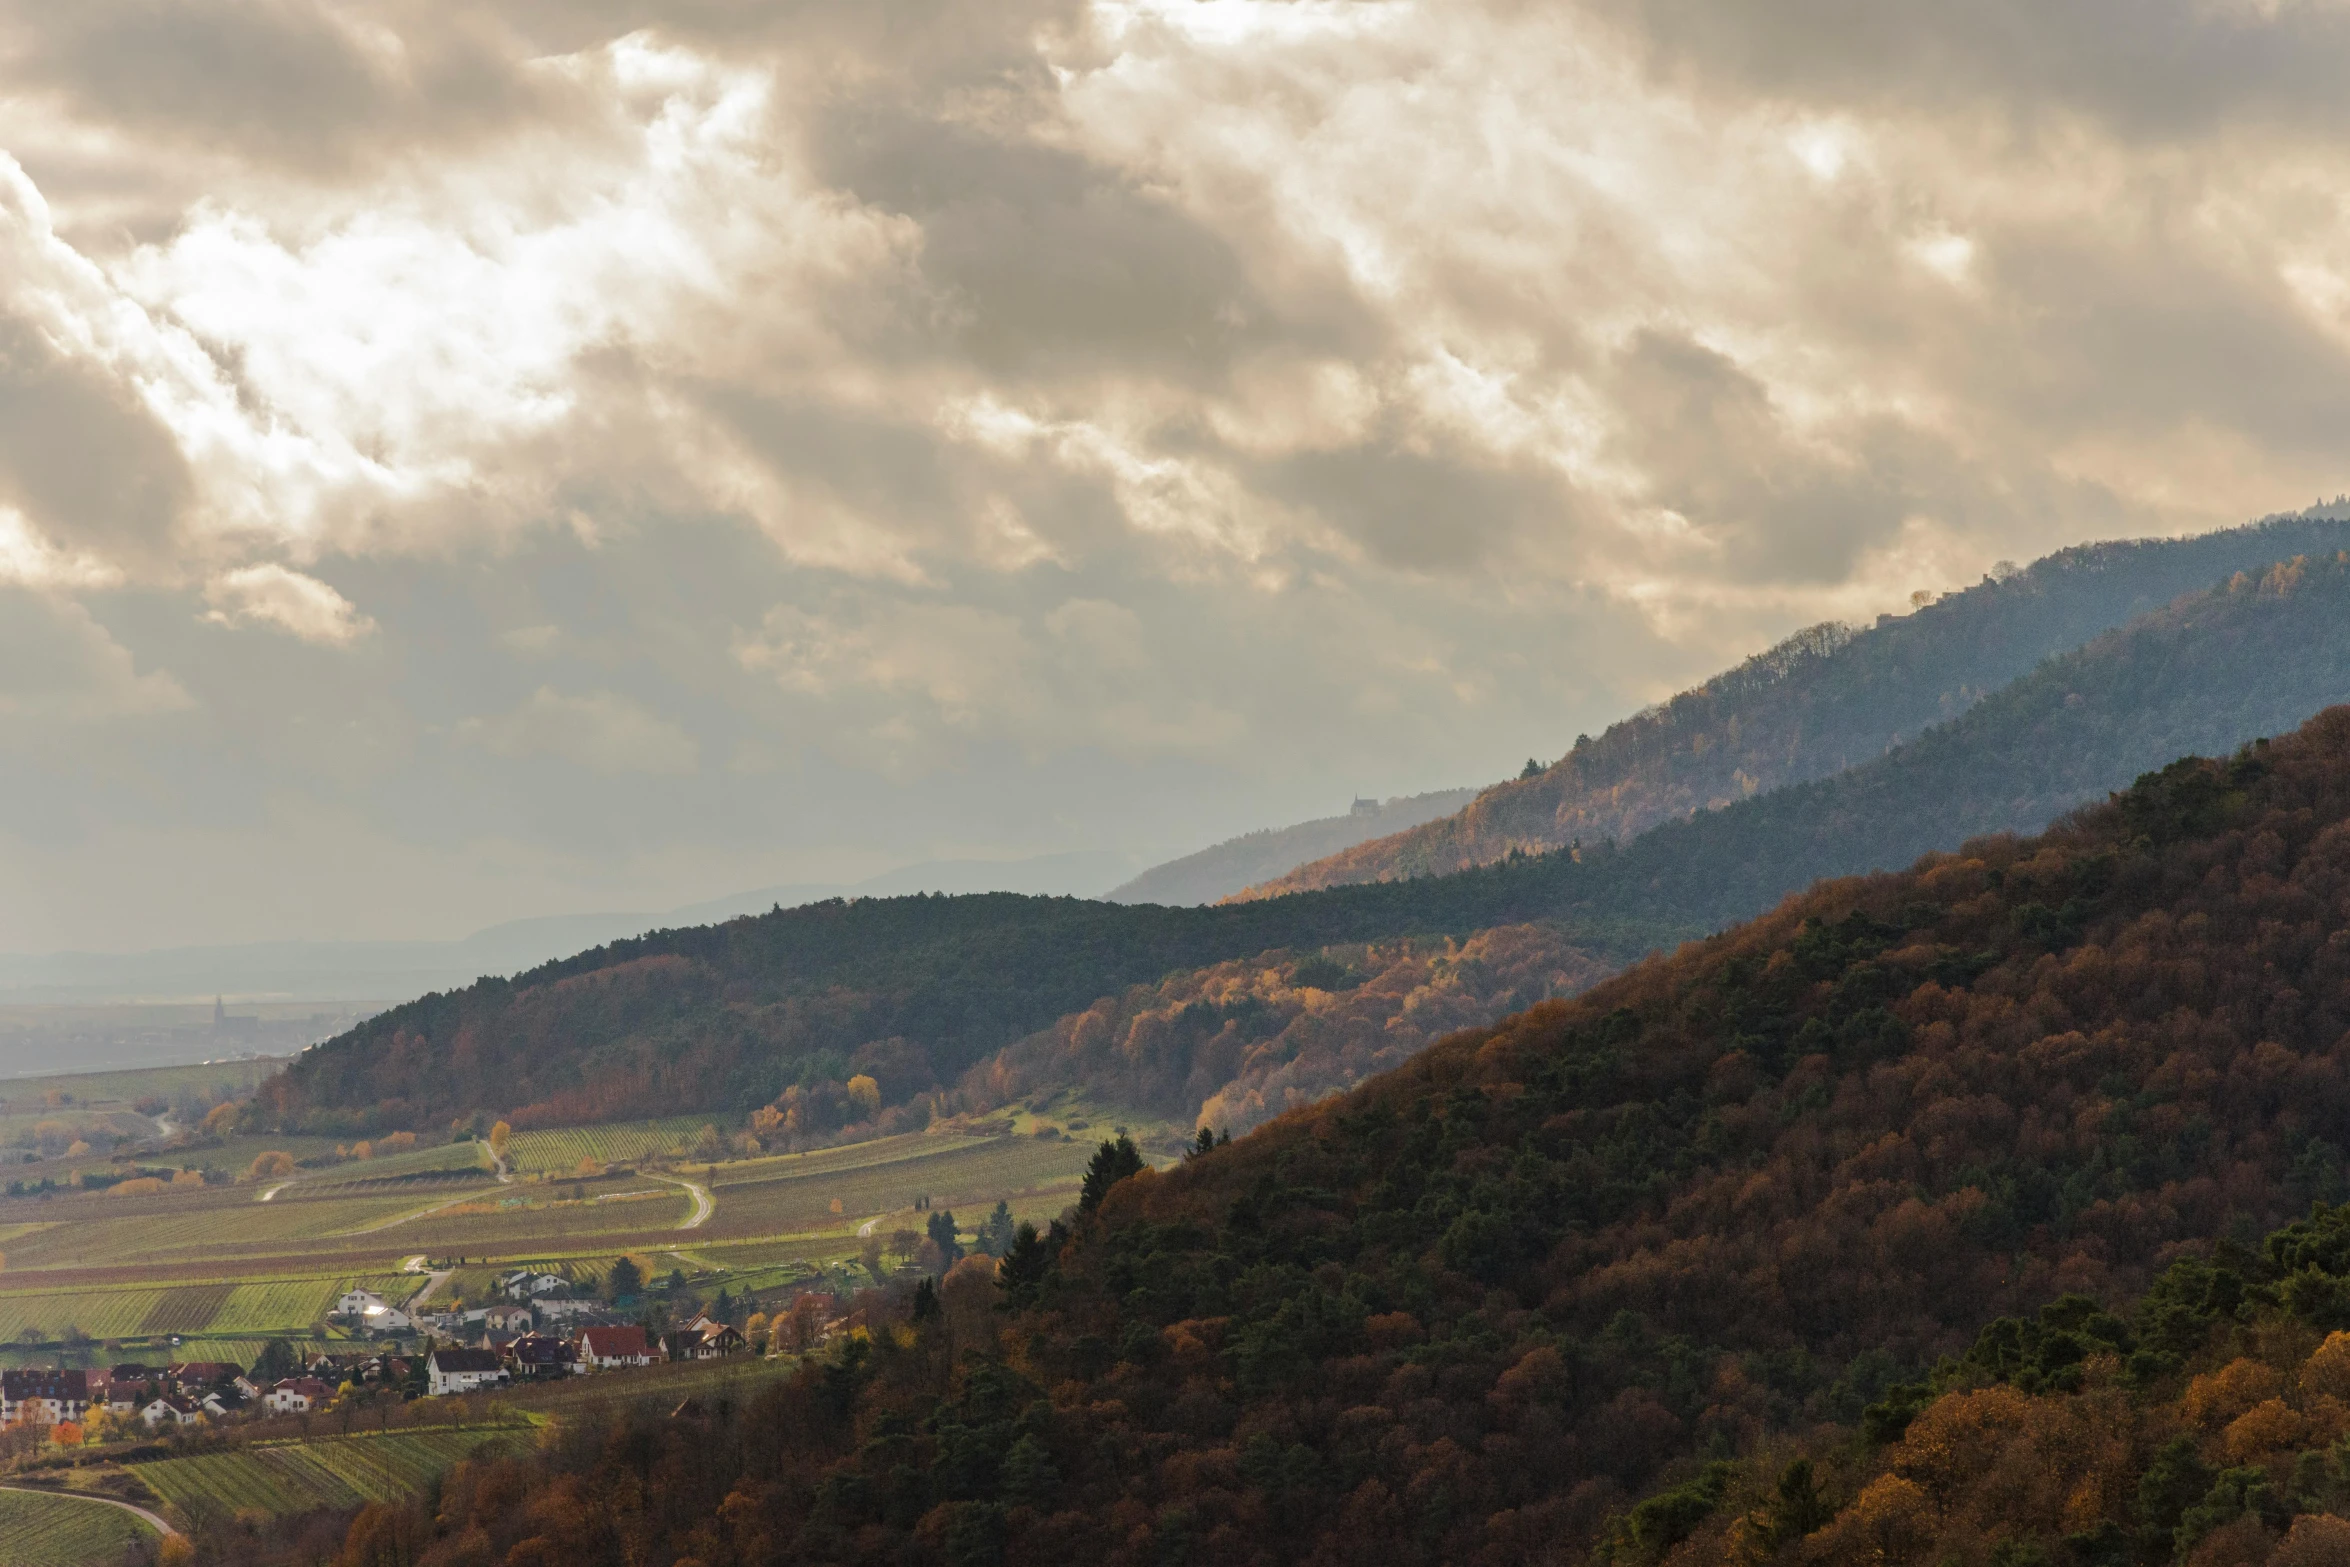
(1918, 1221)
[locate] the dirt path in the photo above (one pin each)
(704, 1204)
(408, 1217)
(161, 1524)
(434, 1278)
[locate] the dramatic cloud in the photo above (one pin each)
(613, 451)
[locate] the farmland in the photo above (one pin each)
(562, 1150)
(296, 1477)
(66, 1531)
(224, 1266)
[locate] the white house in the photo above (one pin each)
(372, 1313)
(172, 1408)
(462, 1371)
(525, 1284)
(298, 1394)
(556, 1309)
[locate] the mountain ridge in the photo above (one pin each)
(1828, 698)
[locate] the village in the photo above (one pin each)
(538, 1334)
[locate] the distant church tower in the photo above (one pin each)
(219, 1016)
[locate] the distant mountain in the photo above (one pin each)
(1239, 863)
(1242, 1041)
(393, 970)
(1826, 699)
(724, 1018)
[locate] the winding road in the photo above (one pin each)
(704, 1204)
(162, 1524)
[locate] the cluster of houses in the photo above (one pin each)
(537, 1333)
(182, 1394)
(535, 1357)
(157, 1396)
(369, 1314)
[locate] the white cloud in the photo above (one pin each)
(271, 595)
(29, 560)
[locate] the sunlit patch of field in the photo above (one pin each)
(561, 1150)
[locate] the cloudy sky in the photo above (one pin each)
(461, 461)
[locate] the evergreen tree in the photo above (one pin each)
(943, 1235)
(996, 1231)
(625, 1281)
(1112, 1163)
(1026, 1263)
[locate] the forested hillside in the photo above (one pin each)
(1234, 1044)
(1719, 1213)
(1237, 863)
(1827, 699)
(726, 1017)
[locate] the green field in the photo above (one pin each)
(65, 1531)
(560, 1150)
(295, 1477)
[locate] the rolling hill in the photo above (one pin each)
(1826, 699)
(1237, 1043)
(1588, 1280)
(917, 991)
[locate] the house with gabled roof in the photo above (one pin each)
(44, 1395)
(170, 1409)
(462, 1371)
(540, 1356)
(606, 1349)
(298, 1395)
